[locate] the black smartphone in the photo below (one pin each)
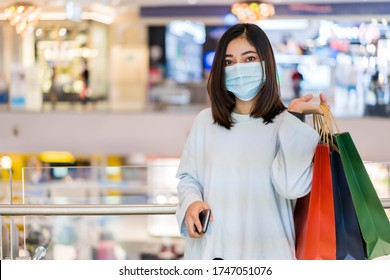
(204, 217)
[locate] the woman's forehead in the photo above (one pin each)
(239, 45)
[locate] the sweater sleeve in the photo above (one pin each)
(189, 189)
(291, 172)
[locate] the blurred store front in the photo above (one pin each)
(148, 57)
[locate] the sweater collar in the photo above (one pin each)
(241, 118)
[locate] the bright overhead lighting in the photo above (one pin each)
(23, 16)
(252, 11)
(6, 162)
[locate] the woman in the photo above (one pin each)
(247, 158)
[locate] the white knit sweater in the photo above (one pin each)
(250, 176)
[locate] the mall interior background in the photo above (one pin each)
(118, 140)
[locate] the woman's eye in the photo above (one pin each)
(251, 58)
(228, 62)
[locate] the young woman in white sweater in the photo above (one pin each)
(247, 158)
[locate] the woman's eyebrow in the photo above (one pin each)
(244, 53)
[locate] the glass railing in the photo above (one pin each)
(5, 185)
(9, 232)
(99, 212)
(104, 212)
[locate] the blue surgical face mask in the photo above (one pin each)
(245, 80)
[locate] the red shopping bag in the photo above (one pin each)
(315, 227)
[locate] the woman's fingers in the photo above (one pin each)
(323, 98)
(307, 97)
(190, 224)
(192, 221)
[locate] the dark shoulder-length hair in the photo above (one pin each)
(268, 103)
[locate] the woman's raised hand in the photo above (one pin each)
(304, 106)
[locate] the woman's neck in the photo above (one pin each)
(243, 107)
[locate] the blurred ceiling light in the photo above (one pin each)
(38, 32)
(6, 162)
(23, 16)
(252, 11)
(62, 32)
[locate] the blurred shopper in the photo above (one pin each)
(376, 87)
(352, 80)
(3, 90)
(84, 95)
(53, 92)
(106, 247)
(296, 79)
(247, 158)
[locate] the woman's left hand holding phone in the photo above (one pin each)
(192, 218)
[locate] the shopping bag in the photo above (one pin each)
(320, 240)
(373, 221)
(349, 241)
(300, 222)
(315, 229)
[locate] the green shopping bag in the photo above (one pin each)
(373, 221)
